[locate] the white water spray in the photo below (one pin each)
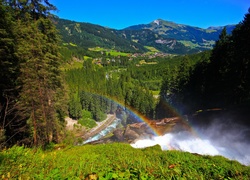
(184, 141)
(180, 142)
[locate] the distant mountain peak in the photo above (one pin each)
(229, 28)
(188, 38)
(157, 21)
(161, 22)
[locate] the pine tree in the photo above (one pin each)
(40, 78)
(36, 8)
(240, 64)
(30, 87)
(217, 85)
(9, 71)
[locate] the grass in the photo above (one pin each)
(116, 53)
(115, 161)
(72, 65)
(144, 62)
(71, 44)
(156, 93)
(109, 51)
(86, 57)
(152, 49)
(189, 44)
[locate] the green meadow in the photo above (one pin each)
(115, 161)
(72, 65)
(151, 49)
(109, 51)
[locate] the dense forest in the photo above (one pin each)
(37, 92)
(31, 86)
(88, 35)
(221, 79)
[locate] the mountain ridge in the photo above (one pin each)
(165, 36)
(156, 21)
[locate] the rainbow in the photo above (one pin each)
(142, 118)
(149, 123)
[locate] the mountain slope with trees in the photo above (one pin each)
(88, 35)
(194, 39)
(165, 36)
(220, 80)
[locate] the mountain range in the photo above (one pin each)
(165, 36)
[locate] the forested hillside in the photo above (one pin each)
(194, 39)
(88, 35)
(167, 37)
(221, 80)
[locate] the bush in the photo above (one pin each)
(90, 123)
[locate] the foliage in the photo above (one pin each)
(218, 80)
(93, 86)
(88, 35)
(89, 123)
(175, 80)
(32, 112)
(115, 161)
(109, 52)
(8, 73)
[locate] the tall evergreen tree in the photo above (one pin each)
(228, 72)
(39, 78)
(222, 80)
(240, 64)
(217, 82)
(8, 73)
(31, 86)
(36, 8)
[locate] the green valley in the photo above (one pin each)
(154, 79)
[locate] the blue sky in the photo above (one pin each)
(119, 14)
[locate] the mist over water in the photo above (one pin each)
(226, 139)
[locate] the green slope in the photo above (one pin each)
(88, 35)
(115, 161)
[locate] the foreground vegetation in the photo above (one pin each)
(115, 161)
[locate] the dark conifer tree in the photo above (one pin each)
(39, 78)
(8, 74)
(240, 65)
(30, 65)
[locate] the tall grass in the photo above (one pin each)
(115, 161)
